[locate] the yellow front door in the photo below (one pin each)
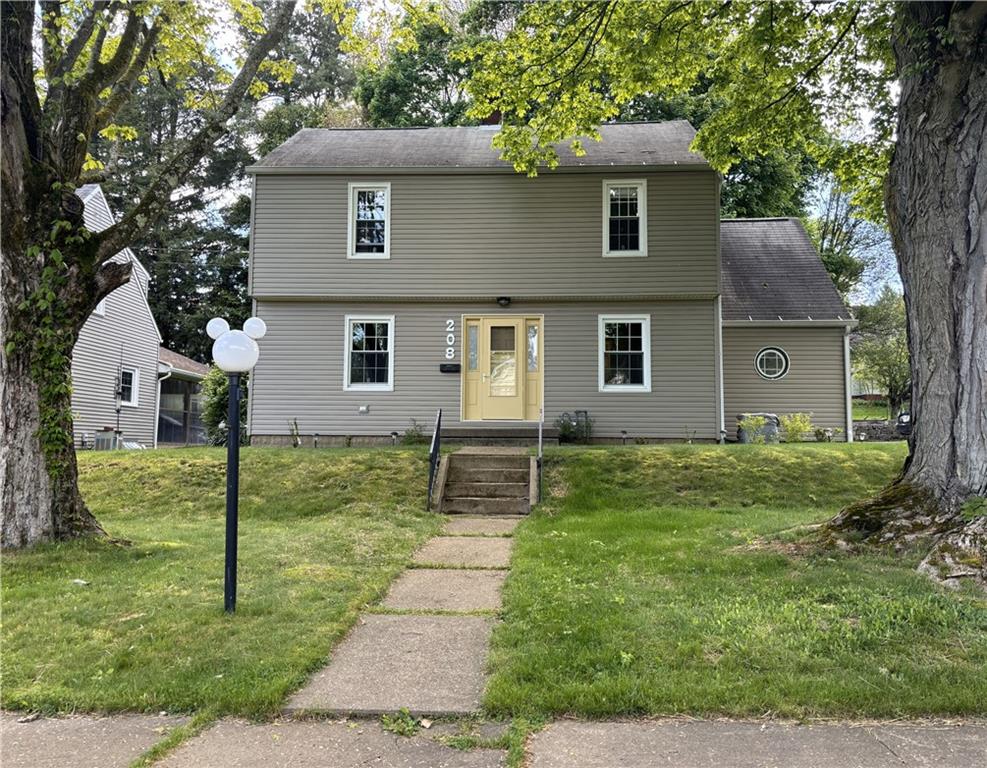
(501, 371)
(502, 376)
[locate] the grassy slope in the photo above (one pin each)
(644, 590)
(321, 533)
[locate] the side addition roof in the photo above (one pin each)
(772, 272)
(623, 145)
(181, 364)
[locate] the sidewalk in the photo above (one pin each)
(114, 742)
(735, 744)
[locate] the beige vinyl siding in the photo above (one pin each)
(126, 326)
(814, 383)
(300, 372)
(478, 235)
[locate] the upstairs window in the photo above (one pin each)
(625, 220)
(369, 363)
(369, 228)
(625, 353)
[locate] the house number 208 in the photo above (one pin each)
(450, 339)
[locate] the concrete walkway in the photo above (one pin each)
(83, 741)
(425, 648)
(714, 744)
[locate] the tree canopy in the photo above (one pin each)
(774, 73)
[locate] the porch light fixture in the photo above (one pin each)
(235, 352)
(504, 301)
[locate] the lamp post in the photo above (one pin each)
(235, 352)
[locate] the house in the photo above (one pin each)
(118, 357)
(404, 270)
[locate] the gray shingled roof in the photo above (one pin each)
(772, 270)
(181, 362)
(624, 144)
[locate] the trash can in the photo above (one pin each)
(770, 431)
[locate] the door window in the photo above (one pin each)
(503, 361)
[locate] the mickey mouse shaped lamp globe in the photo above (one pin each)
(235, 352)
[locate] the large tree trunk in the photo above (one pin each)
(52, 272)
(936, 200)
(39, 496)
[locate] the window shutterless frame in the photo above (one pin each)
(641, 185)
(772, 363)
(350, 321)
(353, 189)
(134, 387)
(645, 321)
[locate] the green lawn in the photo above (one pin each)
(864, 410)
(322, 533)
(660, 580)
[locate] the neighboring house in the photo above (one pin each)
(118, 353)
(404, 270)
(117, 349)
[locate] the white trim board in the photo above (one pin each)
(645, 321)
(391, 350)
(352, 188)
(642, 216)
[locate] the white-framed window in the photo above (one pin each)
(100, 308)
(772, 363)
(369, 222)
(128, 386)
(369, 353)
(625, 353)
(625, 218)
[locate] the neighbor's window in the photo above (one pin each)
(369, 360)
(128, 383)
(625, 223)
(625, 353)
(771, 362)
(369, 221)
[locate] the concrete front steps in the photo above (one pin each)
(487, 481)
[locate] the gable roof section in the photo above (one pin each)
(623, 145)
(98, 216)
(771, 271)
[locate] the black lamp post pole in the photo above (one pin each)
(232, 490)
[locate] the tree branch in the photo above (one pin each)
(103, 74)
(816, 65)
(156, 198)
(122, 88)
(21, 120)
(51, 12)
(110, 276)
(67, 60)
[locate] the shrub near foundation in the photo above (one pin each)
(795, 426)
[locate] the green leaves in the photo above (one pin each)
(776, 73)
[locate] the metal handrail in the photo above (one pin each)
(541, 425)
(433, 456)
